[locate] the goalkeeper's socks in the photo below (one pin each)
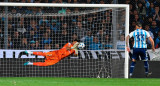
(28, 52)
(132, 67)
(28, 63)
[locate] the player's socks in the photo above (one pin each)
(28, 52)
(28, 63)
(130, 74)
(146, 66)
(132, 68)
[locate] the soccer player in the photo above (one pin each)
(53, 57)
(139, 47)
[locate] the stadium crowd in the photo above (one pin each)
(143, 11)
(146, 12)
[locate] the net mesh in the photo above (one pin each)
(101, 29)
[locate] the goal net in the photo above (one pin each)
(47, 27)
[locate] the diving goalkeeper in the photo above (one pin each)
(53, 57)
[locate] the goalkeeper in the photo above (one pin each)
(53, 57)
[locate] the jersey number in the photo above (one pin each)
(140, 37)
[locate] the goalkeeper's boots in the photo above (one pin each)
(148, 74)
(26, 63)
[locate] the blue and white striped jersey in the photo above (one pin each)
(139, 36)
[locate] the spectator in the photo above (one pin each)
(45, 1)
(151, 34)
(132, 26)
(54, 26)
(60, 1)
(21, 26)
(101, 35)
(157, 2)
(37, 45)
(44, 22)
(68, 11)
(61, 19)
(150, 19)
(16, 40)
(109, 25)
(32, 35)
(63, 38)
(90, 2)
(73, 25)
(37, 1)
(20, 9)
(126, 1)
(131, 9)
(28, 10)
(24, 43)
(157, 41)
(74, 37)
(102, 2)
(10, 43)
(47, 46)
(96, 45)
(50, 32)
(10, 29)
(23, 1)
(141, 9)
(14, 11)
(156, 14)
(135, 12)
(150, 11)
(75, 1)
(108, 42)
(32, 45)
(1, 38)
(64, 26)
(33, 26)
(135, 3)
(90, 22)
(80, 31)
(69, 1)
(30, 1)
(154, 29)
(54, 1)
(88, 39)
(39, 11)
(57, 46)
(137, 19)
(121, 43)
(46, 39)
(76, 10)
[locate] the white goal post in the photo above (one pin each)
(88, 6)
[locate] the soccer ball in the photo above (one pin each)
(81, 45)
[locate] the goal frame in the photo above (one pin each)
(126, 6)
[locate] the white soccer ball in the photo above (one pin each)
(81, 45)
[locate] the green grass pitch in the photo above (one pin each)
(43, 81)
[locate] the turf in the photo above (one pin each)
(40, 81)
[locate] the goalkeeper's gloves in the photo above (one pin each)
(75, 45)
